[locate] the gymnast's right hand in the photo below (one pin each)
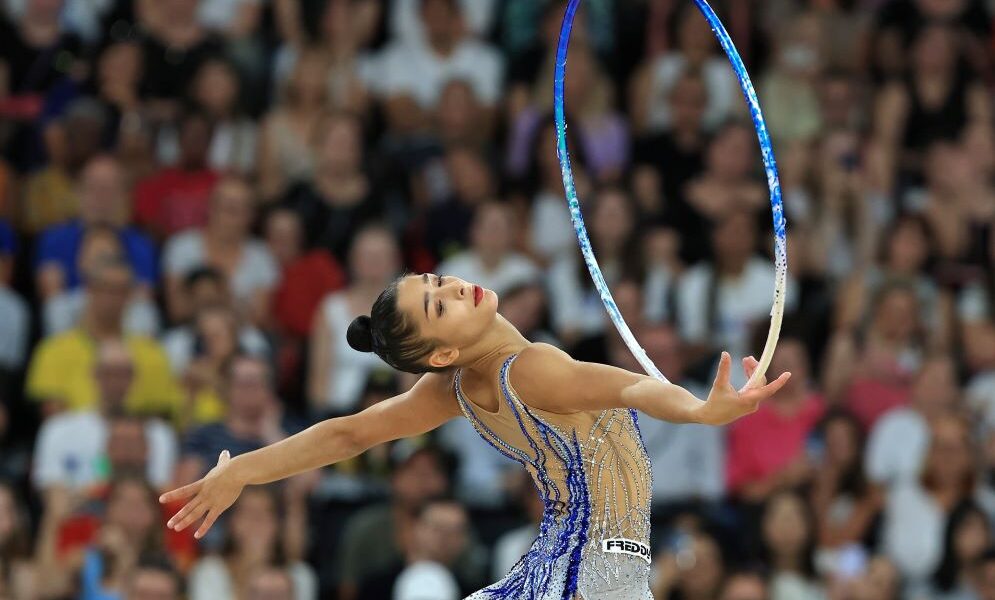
(208, 497)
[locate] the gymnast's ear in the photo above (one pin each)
(443, 357)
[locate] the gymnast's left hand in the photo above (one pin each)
(206, 498)
(725, 404)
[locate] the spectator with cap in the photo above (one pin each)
(72, 448)
(102, 201)
(61, 373)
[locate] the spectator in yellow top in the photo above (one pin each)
(61, 373)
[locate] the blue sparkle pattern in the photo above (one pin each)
(593, 474)
(770, 167)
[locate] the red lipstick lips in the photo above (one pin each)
(478, 294)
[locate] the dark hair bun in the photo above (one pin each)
(360, 334)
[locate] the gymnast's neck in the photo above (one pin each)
(486, 355)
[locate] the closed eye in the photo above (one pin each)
(438, 311)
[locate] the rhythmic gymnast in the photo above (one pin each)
(571, 424)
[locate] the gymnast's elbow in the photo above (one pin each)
(341, 439)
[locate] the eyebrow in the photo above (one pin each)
(424, 278)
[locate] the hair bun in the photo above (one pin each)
(360, 334)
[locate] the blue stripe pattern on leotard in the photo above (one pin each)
(553, 562)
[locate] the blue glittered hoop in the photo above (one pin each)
(773, 182)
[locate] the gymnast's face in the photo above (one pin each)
(447, 309)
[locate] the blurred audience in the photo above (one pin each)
(74, 448)
(286, 160)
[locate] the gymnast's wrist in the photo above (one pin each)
(239, 471)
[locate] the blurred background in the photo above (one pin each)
(198, 196)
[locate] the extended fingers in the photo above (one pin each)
(750, 365)
(771, 388)
(725, 366)
(212, 516)
(182, 493)
(187, 515)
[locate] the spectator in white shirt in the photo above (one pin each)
(720, 301)
(491, 262)
(411, 74)
(900, 439)
(479, 16)
(80, 449)
(227, 245)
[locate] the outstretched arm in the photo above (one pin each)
(424, 407)
(553, 381)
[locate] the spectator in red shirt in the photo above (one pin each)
(307, 276)
(871, 371)
(177, 198)
(766, 450)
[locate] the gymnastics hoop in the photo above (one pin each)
(773, 182)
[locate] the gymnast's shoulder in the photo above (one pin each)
(547, 378)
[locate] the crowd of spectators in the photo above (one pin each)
(198, 196)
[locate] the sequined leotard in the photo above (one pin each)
(593, 473)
